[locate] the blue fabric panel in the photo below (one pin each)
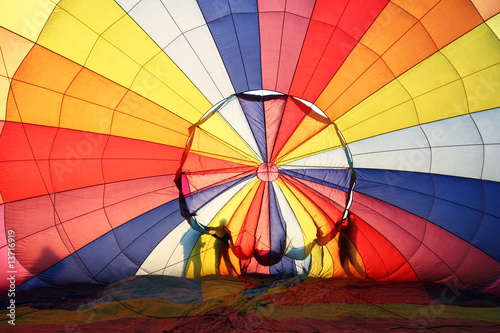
(336, 178)
(237, 37)
(459, 220)
(247, 28)
(463, 191)
(453, 203)
(277, 224)
(166, 217)
(32, 283)
(285, 267)
(238, 6)
(254, 112)
(487, 236)
(492, 194)
(410, 191)
(214, 9)
(103, 261)
(199, 199)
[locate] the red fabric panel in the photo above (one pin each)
(22, 274)
(273, 111)
(68, 159)
(262, 235)
(270, 26)
(281, 38)
(244, 245)
(292, 116)
(196, 163)
(128, 199)
(333, 215)
(45, 240)
(383, 262)
(336, 198)
(433, 253)
(335, 27)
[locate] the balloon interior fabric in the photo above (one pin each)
(347, 140)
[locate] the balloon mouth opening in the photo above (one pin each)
(267, 172)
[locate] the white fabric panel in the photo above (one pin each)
(178, 27)
(408, 138)
(203, 44)
(487, 122)
(335, 158)
(303, 266)
(234, 116)
(461, 161)
(492, 163)
(454, 131)
(456, 147)
(294, 239)
(127, 4)
(187, 60)
(418, 160)
(206, 214)
(186, 12)
(156, 22)
(167, 258)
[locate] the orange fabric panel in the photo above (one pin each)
(376, 76)
(414, 46)
(441, 22)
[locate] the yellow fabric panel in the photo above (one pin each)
(476, 50)
(321, 263)
(444, 102)
(308, 128)
(101, 36)
(487, 8)
(229, 209)
(389, 109)
(442, 21)
(203, 258)
(245, 198)
(27, 17)
(325, 140)
(436, 71)
(494, 24)
(321, 223)
(98, 15)
(143, 109)
(131, 127)
(305, 221)
(113, 64)
(67, 36)
(218, 128)
(162, 81)
(207, 145)
(483, 89)
(84, 116)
